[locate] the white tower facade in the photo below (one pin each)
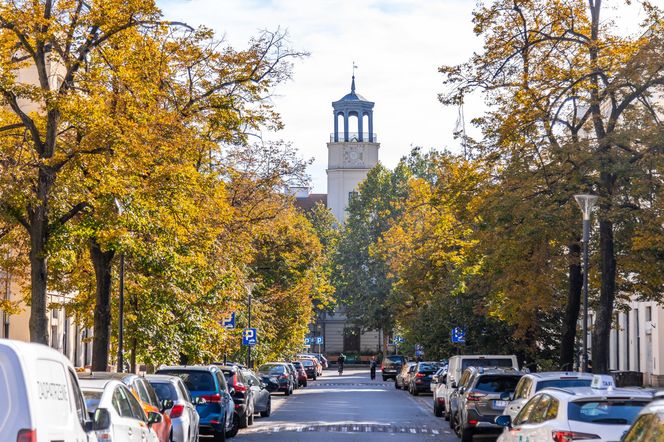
(352, 152)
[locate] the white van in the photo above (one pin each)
(43, 402)
(456, 366)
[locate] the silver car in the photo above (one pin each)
(175, 397)
(262, 397)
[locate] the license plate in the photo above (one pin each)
(499, 404)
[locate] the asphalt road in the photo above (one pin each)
(349, 408)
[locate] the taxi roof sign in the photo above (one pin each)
(602, 382)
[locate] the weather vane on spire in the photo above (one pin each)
(352, 85)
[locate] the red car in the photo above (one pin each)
(301, 374)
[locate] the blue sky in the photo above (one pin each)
(397, 45)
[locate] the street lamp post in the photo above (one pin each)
(250, 287)
(586, 203)
(121, 317)
(120, 208)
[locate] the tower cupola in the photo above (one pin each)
(353, 106)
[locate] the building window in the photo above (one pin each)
(648, 313)
(55, 313)
(352, 339)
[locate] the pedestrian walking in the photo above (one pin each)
(372, 366)
(340, 363)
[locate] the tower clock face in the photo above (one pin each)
(353, 156)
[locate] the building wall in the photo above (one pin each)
(637, 341)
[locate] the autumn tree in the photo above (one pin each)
(558, 76)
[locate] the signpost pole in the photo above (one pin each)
(249, 326)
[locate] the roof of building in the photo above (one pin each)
(353, 96)
(310, 201)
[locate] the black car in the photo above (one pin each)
(271, 382)
(391, 366)
(309, 368)
(241, 393)
(420, 381)
(281, 373)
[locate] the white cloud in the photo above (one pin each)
(397, 44)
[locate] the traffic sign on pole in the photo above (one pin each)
(249, 337)
(307, 341)
(458, 335)
(319, 340)
(228, 322)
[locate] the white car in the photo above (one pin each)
(596, 413)
(531, 383)
(41, 398)
(649, 425)
(120, 408)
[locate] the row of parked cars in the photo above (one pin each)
(490, 395)
(49, 400)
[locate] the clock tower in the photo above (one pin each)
(352, 150)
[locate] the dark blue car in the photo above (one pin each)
(216, 410)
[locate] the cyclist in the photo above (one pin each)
(340, 363)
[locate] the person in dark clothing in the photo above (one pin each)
(340, 363)
(372, 366)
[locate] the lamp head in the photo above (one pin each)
(586, 203)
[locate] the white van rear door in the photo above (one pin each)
(53, 409)
(13, 395)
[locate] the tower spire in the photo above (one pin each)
(352, 84)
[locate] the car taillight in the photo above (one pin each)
(176, 411)
(240, 387)
(472, 421)
(420, 375)
(283, 376)
(474, 397)
(214, 398)
(567, 436)
(27, 436)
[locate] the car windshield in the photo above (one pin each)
(307, 362)
(272, 369)
(165, 391)
(497, 383)
(297, 364)
(228, 374)
(92, 398)
(428, 367)
(606, 411)
(486, 362)
(193, 380)
(563, 383)
(393, 360)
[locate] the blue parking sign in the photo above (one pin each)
(228, 322)
(458, 335)
(319, 339)
(307, 341)
(249, 337)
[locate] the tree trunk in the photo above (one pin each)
(385, 341)
(38, 259)
(604, 313)
(102, 262)
(571, 318)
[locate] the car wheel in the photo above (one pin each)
(250, 418)
(453, 424)
(305, 384)
(466, 434)
(235, 428)
(219, 436)
(415, 391)
(384, 379)
(288, 391)
(437, 410)
(396, 385)
(243, 421)
(268, 409)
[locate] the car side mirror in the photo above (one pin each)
(166, 404)
(154, 418)
(504, 420)
(506, 396)
(101, 421)
(231, 391)
(453, 385)
(462, 390)
(199, 401)
(434, 381)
